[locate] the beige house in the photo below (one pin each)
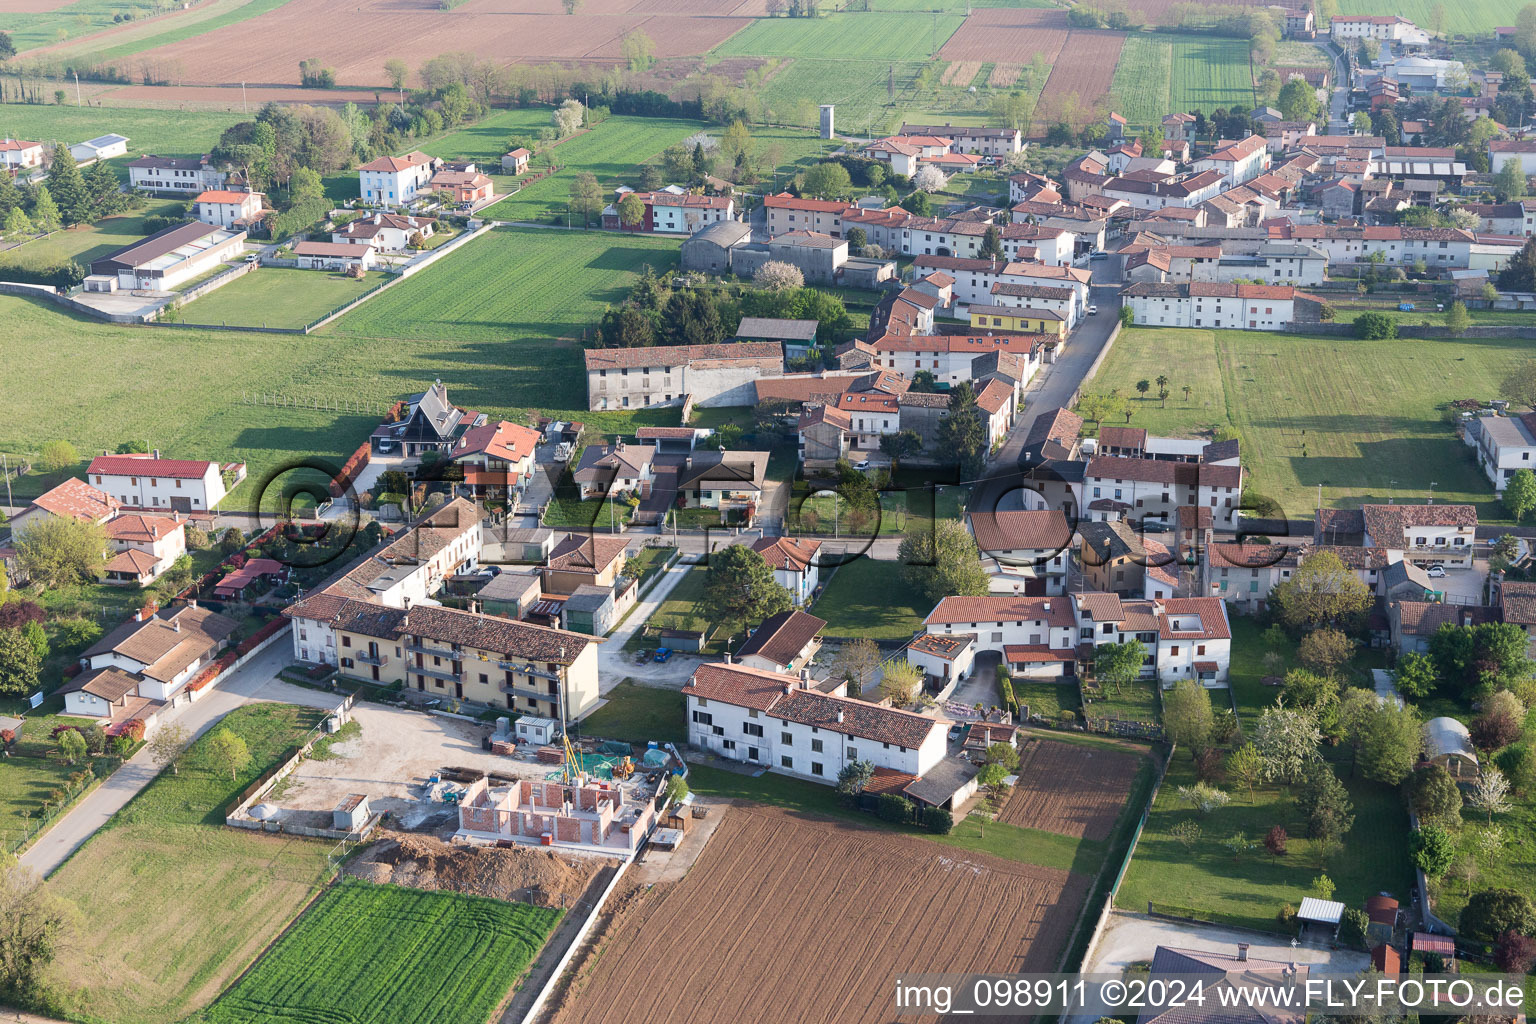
(143, 547)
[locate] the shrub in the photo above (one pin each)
(1515, 953)
(938, 821)
(1005, 688)
(1354, 926)
(1432, 849)
(1375, 326)
(1287, 917)
(62, 276)
(1492, 912)
(197, 538)
(890, 807)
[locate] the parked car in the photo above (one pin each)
(663, 653)
(861, 464)
(642, 656)
(1435, 572)
(1093, 310)
(1098, 254)
(1154, 526)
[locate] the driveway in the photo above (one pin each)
(614, 663)
(253, 683)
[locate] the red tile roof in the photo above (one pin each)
(501, 440)
(1055, 611)
(76, 499)
(780, 552)
(785, 201)
(396, 163)
(146, 465)
(142, 529)
(994, 397)
(1021, 530)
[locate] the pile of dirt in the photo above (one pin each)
(526, 874)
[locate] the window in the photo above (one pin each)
(816, 746)
(853, 755)
(786, 762)
(815, 767)
(751, 730)
(703, 718)
(787, 738)
(346, 641)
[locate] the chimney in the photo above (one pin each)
(1242, 952)
(788, 689)
(839, 716)
(728, 657)
(805, 678)
(176, 623)
(155, 454)
(1046, 606)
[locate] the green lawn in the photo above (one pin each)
(1048, 700)
(1509, 864)
(371, 954)
(1247, 673)
(278, 297)
(31, 782)
(158, 952)
(586, 514)
(1358, 417)
(93, 241)
(868, 598)
(164, 133)
(856, 88)
(1425, 313)
(823, 513)
(1477, 19)
(684, 608)
(1208, 883)
(1162, 72)
(875, 36)
(1136, 701)
(639, 714)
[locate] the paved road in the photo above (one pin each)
(254, 682)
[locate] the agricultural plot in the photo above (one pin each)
(1360, 418)
(375, 954)
(858, 89)
(876, 36)
(771, 880)
(1009, 35)
(189, 133)
(135, 38)
(1080, 77)
(1159, 73)
(1070, 790)
(1470, 19)
(278, 297)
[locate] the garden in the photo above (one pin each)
(870, 599)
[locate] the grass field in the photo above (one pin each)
(1136, 701)
(1358, 417)
(877, 36)
(371, 954)
(684, 608)
(158, 952)
(639, 714)
(1158, 73)
(93, 241)
(1206, 882)
(613, 151)
(182, 133)
(868, 598)
(278, 297)
(1298, 53)
(1475, 19)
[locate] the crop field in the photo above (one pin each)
(1009, 35)
(1360, 418)
(1160, 73)
(613, 151)
(189, 133)
(1153, 12)
(1070, 790)
(116, 46)
(278, 297)
(772, 880)
(856, 88)
(375, 954)
(354, 39)
(877, 36)
(1470, 19)
(1081, 76)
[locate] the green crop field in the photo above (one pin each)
(278, 297)
(154, 953)
(1159, 73)
(887, 37)
(613, 151)
(1361, 418)
(961, 6)
(858, 90)
(1472, 19)
(375, 954)
(183, 133)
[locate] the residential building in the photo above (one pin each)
(1158, 487)
(225, 209)
(907, 153)
(998, 403)
(1349, 29)
(1259, 307)
(672, 212)
(635, 378)
(1504, 445)
(710, 248)
(170, 257)
(871, 415)
(1017, 320)
(396, 180)
(158, 655)
(431, 423)
(818, 256)
(175, 175)
(142, 547)
(579, 560)
(1237, 161)
(982, 141)
(1030, 548)
(785, 213)
(496, 460)
(778, 721)
(1423, 534)
(950, 357)
(334, 256)
(1438, 248)
(1517, 219)
(786, 642)
(464, 186)
(823, 432)
(611, 818)
(146, 481)
(729, 482)
(615, 469)
(71, 499)
(386, 232)
(18, 155)
(945, 660)
(1037, 636)
(515, 162)
(1522, 151)
(794, 563)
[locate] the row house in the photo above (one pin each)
(1508, 219)
(871, 415)
(978, 139)
(1237, 161)
(1153, 191)
(1036, 635)
(951, 357)
(673, 213)
(998, 402)
(1423, 534)
(1027, 186)
(1053, 246)
(785, 213)
(1063, 301)
(1158, 487)
(1029, 549)
(1439, 248)
(638, 378)
(1504, 445)
(971, 280)
(1351, 28)
(785, 724)
(1254, 307)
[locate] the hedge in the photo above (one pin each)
(297, 218)
(1005, 687)
(62, 276)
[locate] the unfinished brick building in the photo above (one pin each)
(597, 815)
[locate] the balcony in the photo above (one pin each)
(363, 658)
(527, 669)
(517, 690)
(435, 652)
(436, 673)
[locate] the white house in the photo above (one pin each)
(946, 659)
(1159, 486)
(781, 723)
(1350, 28)
(983, 141)
(143, 546)
(1258, 307)
(162, 652)
(1504, 445)
(785, 642)
(1194, 641)
(18, 155)
(175, 175)
(103, 147)
(396, 180)
(386, 232)
(150, 482)
(1037, 636)
(1423, 534)
(223, 208)
(1522, 151)
(871, 415)
(1031, 547)
(71, 499)
(794, 564)
(1237, 162)
(949, 357)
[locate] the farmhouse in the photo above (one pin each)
(944, 661)
(72, 499)
(1521, 151)
(1350, 28)
(175, 175)
(982, 141)
(823, 432)
(1037, 636)
(635, 378)
(1261, 307)
(672, 212)
(515, 162)
(146, 481)
(794, 564)
(144, 547)
(785, 213)
(1159, 487)
(396, 180)
(169, 257)
(387, 232)
(333, 256)
(225, 209)
(780, 722)
(18, 155)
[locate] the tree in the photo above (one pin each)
(1493, 912)
(1518, 275)
(397, 71)
(991, 776)
(1127, 316)
(901, 445)
(1287, 741)
(570, 5)
(1321, 592)
(1457, 319)
(1414, 676)
(71, 745)
(57, 456)
(1275, 840)
(1298, 101)
(1246, 767)
(856, 661)
(1375, 326)
(855, 775)
(586, 196)
(740, 587)
(1324, 802)
(1432, 849)
(19, 664)
(901, 682)
(1515, 953)
(1434, 795)
(7, 48)
(1361, 123)
(678, 162)
(637, 49)
(777, 276)
(57, 552)
(631, 211)
(924, 383)
(1323, 886)
(929, 179)
(17, 222)
(1324, 650)
(224, 751)
(567, 118)
(1490, 793)
(34, 925)
(827, 181)
(1186, 833)
(1520, 493)
(67, 187)
(1187, 715)
(1100, 406)
(1500, 722)
(45, 212)
(1389, 743)
(169, 746)
(919, 203)
(942, 562)
(1117, 665)
(1204, 797)
(1477, 660)
(1509, 183)
(962, 434)
(991, 243)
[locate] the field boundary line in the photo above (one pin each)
(557, 973)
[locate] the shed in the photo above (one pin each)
(1448, 744)
(1320, 915)
(510, 594)
(682, 639)
(1381, 916)
(1440, 945)
(948, 784)
(352, 813)
(533, 729)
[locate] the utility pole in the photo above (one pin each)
(5, 462)
(244, 108)
(77, 90)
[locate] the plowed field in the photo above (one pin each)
(1084, 68)
(1070, 790)
(730, 942)
(1003, 34)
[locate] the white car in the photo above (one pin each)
(1435, 572)
(1093, 310)
(861, 464)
